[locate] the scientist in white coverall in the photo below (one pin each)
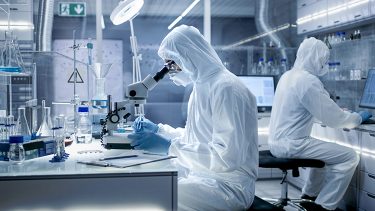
(300, 97)
(217, 151)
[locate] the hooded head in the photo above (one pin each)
(191, 52)
(312, 56)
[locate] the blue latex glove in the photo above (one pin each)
(141, 124)
(365, 115)
(149, 141)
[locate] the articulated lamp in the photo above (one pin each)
(126, 11)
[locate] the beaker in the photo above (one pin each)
(22, 128)
(45, 126)
(11, 60)
(59, 136)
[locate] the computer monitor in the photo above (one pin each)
(262, 87)
(368, 94)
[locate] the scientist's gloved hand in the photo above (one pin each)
(141, 124)
(365, 115)
(149, 141)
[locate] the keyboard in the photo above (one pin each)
(369, 121)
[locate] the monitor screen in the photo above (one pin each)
(368, 95)
(262, 87)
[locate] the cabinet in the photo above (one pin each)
(331, 13)
(367, 172)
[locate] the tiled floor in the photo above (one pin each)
(272, 189)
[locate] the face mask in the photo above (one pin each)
(181, 79)
(324, 70)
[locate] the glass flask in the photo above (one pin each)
(16, 150)
(22, 128)
(45, 126)
(59, 136)
(84, 134)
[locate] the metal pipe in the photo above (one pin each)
(207, 20)
(262, 21)
(99, 32)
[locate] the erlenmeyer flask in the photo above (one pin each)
(45, 128)
(22, 128)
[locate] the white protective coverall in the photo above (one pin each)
(300, 97)
(218, 148)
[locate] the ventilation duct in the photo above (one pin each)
(263, 24)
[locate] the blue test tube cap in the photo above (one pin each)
(83, 109)
(15, 139)
(261, 59)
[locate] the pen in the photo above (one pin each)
(118, 157)
(151, 161)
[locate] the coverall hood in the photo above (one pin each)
(312, 56)
(190, 51)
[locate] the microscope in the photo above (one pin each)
(136, 95)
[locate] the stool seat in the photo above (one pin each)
(267, 160)
(261, 205)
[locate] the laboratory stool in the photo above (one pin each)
(261, 205)
(267, 160)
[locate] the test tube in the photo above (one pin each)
(2, 128)
(7, 130)
(12, 130)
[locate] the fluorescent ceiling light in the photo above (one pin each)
(277, 29)
(16, 25)
(330, 11)
(125, 11)
(184, 13)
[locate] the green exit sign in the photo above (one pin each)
(73, 9)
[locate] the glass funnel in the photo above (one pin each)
(100, 70)
(45, 126)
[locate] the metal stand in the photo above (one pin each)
(136, 66)
(284, 200)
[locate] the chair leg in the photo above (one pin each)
(284, 200)
(297, 206)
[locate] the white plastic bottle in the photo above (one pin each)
(84, 128)
(336, 71)
(270, 70)
(283, 66)
(260, 67)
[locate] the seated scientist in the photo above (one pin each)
(300, 97)
(217, 151)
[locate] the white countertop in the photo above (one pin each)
(41, 167)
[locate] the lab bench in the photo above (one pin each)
(41, 185)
